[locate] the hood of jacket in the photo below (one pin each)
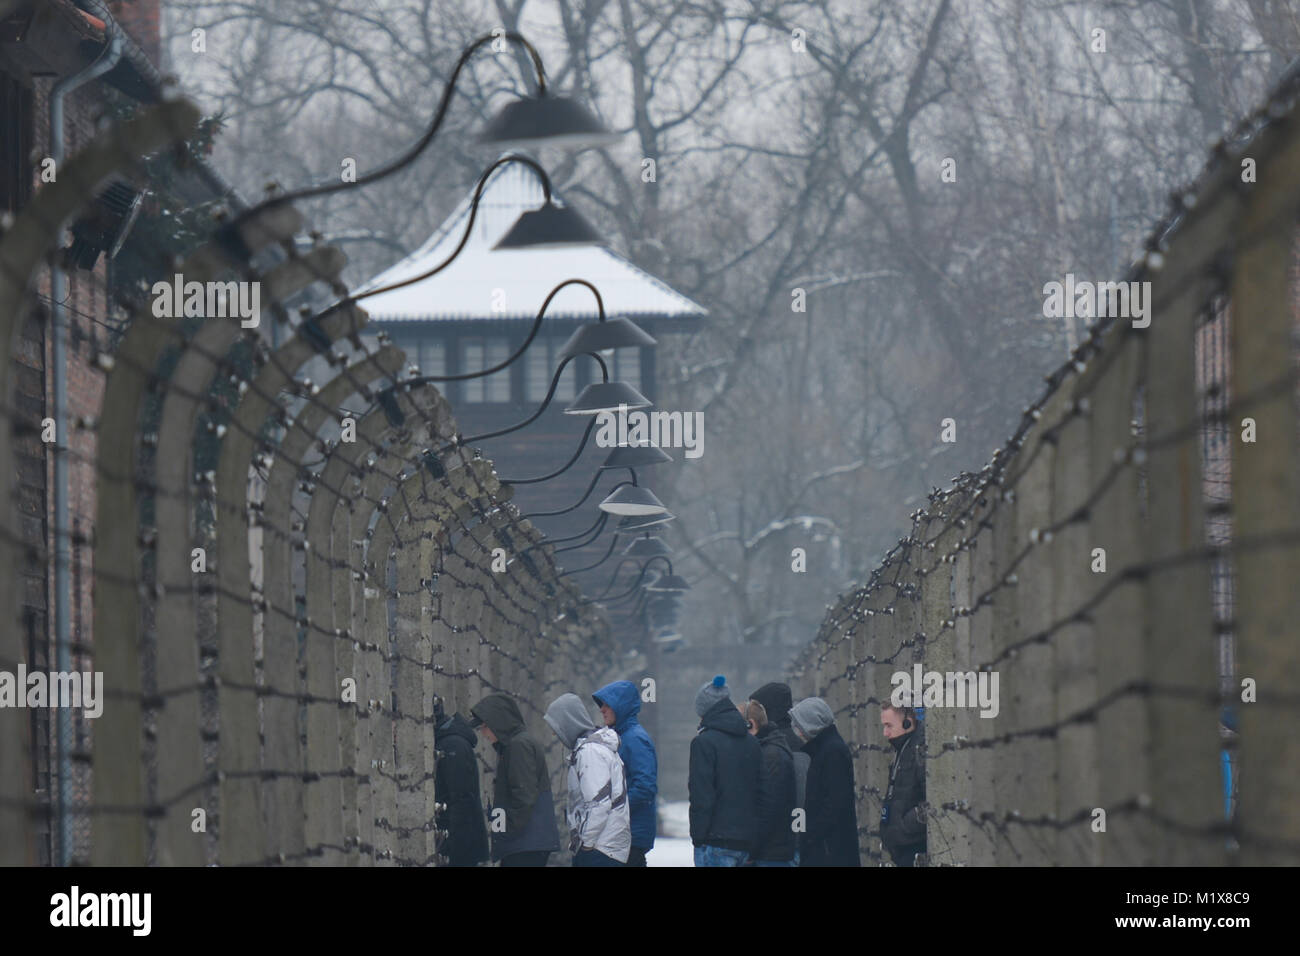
(501, 714)
(456, 726)
(811, 716)
(623, 699)
(723, 716)
(603, 736)
(773, 736)
(568, 717)
(776, 700)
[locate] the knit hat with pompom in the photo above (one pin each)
(712, 692)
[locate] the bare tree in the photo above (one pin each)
(867, 195)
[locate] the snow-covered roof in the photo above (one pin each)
(512, 284)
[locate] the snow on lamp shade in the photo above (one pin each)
(669, 582)
(632, 501)
(635, 525)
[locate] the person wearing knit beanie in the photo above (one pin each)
(712, 692)
(777, 699)
(723, 780)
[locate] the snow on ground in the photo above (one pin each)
(675, 819)
(671, 851)
(672, 844)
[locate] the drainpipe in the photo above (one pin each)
(62, 552)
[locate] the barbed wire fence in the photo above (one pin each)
(1127, 565)
(285, 571)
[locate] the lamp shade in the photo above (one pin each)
(660, 612)
(635, 525)
(551, 225)
(664, 603)
(647, 548)
(610, 334)
(636, 456)
(669, 582)
(632, 500)
(672, 621)
(606, 397)
(668, 640)
(664, 606)
(534, 121)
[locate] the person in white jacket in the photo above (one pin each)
(600, 824)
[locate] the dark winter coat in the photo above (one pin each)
(523, 785)
(776, 798)
(902, 826)
(801, 762)
(723, 780)
(777, 701)
(639, 761)
(831, 838)
(456, 785)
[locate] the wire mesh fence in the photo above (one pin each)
(1125, 567)
(291, 555)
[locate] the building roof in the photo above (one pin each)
(513, 284)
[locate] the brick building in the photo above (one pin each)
(42, 42)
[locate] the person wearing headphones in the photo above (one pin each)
(902, 825)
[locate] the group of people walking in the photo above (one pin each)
(770, 782)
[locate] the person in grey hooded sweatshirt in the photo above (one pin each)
(831, 838)
(600, 825)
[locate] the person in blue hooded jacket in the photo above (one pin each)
(620, 703)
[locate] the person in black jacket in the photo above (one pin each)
(831, 838)
(774, 845)
(902, 826)
(523, 786)
(723, 780)
(777, 699)
(456, 787)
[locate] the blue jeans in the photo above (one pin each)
(593, 858)
(717, 856)
(776, 862)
